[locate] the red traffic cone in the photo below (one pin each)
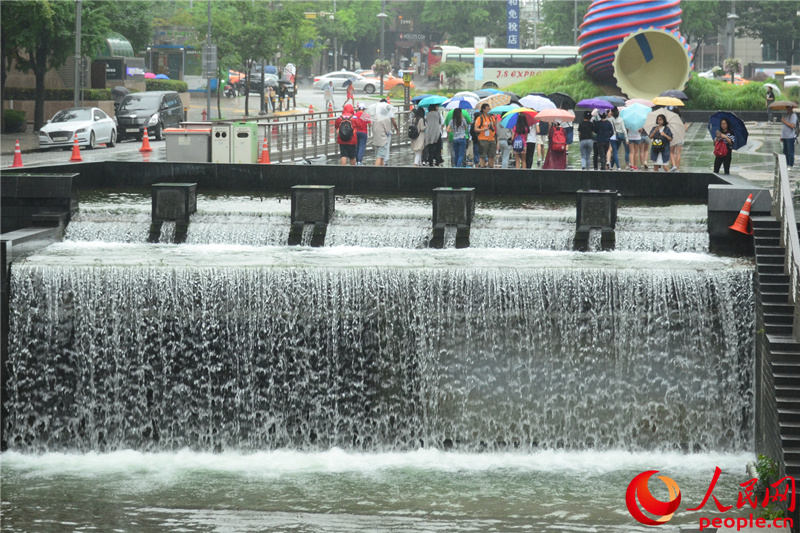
(145, 142)
(742, 224)
(17, 156)
(76, 151)
(264, 159)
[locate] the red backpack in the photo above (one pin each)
(559, 140)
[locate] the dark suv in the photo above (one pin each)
(154, 110)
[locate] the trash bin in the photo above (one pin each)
(221, 143)
(244, 142)
(188, 145)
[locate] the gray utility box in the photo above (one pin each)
(453, 206)
(313, 203)
(185, 145)
(173, 201)
(221, 143)
(244, 142)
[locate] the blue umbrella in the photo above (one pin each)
(461, 102)
(736, 126)
(595, 103)
(499, 110)
(162, 77)
(419, 97)
(490, 90)
(432, 100)
(634, 116)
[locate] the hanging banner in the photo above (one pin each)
(480, 45)
(512, 23)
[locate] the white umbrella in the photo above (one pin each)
(461, 102)
(467, 93)
(381, 110)
(774, 87)
(538, 103)
(674, 123)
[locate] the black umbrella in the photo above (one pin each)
(514, 97)
(485, 94)
(675, 93)
(119, 92)
(562, 101)
(347, 83)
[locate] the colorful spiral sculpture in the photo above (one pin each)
(609, 23)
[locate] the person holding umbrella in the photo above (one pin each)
(770, 99)
(603, 131)
(586, 139)
(484, 127)
(418, 142)
(350, 94)
(788, 135)
(433, 136)
(723, 146)
(660, 136)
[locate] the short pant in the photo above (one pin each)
(487, 148)
(347, 150)
(383, 152)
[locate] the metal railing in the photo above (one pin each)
(783, 210)
(306, 136)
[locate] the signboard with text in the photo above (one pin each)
(512, 23)
(480, 46)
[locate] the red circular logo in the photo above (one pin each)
(638, 494)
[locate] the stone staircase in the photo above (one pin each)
(778, 366)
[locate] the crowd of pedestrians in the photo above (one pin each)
(478, 139)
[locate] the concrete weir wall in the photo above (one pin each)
(386, 180)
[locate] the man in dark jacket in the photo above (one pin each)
(603, 132)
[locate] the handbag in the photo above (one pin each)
(720, 148)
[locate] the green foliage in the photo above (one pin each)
(452, 70)
(382, 67)
(732, 65)
(793, 93)
(558, 17)
(463, 20)
(767, 470)
(29, 93)
(571, 80)
(166, 85)
(700, 20)
(717, 94)
(771, 512)
(13, 121)
(775, 22)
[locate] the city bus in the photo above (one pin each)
(506, 66)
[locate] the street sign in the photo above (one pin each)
(407, 75)
(210, 61)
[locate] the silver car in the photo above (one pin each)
(360, 83)
(90, 124)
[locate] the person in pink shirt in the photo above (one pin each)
(346, 137)
(361, 132)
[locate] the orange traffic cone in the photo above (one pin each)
(310, 125)
(76, 151)
(17, 156)
(145, 142)
(742, 224)
(264, 159)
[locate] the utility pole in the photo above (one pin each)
(208, 56)
(335, 40)
(575, 23)
(731, 30)
(76, 94)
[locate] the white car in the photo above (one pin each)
(90, 124)
(360, 83)
(792, 80)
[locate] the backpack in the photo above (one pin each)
(544, 127)
(518, 144)
(345, 130)
(413, 132)
(720, 148)
(559, 140)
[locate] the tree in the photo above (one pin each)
(732, 66)
(558, 21)
(381, 68)
(462, 21)
(775, 22)
(700, 22)
(452, 70)
(43, 31)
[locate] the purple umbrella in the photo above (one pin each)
(595, 103)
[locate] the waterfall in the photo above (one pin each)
(165, 348)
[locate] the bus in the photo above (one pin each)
(506, 66)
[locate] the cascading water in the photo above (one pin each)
(401, 223)
(161, 347)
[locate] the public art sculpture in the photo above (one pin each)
(637, 43)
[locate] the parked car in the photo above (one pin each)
(90, 124)
(360, 83)
(154, 110)
(791, 80)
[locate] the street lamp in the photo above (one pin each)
(382, 16)
(149, 59)
(183, 61)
